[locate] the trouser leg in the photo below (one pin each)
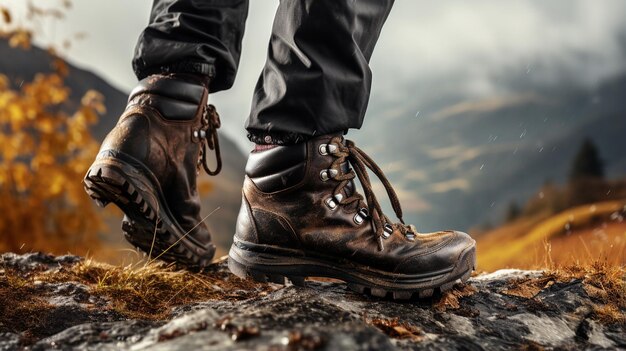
(192, 36)
(316, 79)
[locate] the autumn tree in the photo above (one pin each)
(44, 151)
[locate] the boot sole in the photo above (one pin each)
(148, 224)
(296, 266)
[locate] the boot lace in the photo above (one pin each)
(360, 162)
(207, 135)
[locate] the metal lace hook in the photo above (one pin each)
(211, 119)
(214, 145)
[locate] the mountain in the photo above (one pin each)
(458, 162)
(21, 65)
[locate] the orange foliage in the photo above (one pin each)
(44, 152)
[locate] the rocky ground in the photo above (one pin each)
(508, 309)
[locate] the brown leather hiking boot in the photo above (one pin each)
(301, 216)
(148, 164)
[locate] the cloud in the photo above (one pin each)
(473, 47)
(454, 157)
(448, 185)
(490, 104)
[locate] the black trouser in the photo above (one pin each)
(316, 79)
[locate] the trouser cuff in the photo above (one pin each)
(277, 138)
(188, 67)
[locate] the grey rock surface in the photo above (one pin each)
(486, 314)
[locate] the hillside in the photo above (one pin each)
(578, 223)
(21, 65)
(582, 234)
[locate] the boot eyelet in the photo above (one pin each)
(199, 134)
(323, 149)
(388, 228)
(410, 236)
(330, 202)
(326, 174)
(338, 197)
(364, 212)
(331, 148)
(358, 219)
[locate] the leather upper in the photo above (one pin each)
(289, 209)
(157, 130)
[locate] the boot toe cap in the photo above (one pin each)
(445, 256)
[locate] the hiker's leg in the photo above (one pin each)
(317, 78)
(191, 36)
(148, 163)
(301, 213)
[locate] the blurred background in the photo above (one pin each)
(504, 119)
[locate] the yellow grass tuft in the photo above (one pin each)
(149, 291)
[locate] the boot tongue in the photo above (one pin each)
(349, 189)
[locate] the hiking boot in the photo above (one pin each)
(148, 165)
(301, 216)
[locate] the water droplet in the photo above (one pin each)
(521, 136)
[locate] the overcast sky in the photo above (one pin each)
(452, 43)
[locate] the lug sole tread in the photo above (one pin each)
(106, 184)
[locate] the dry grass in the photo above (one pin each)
(150, 290)
(581, 235)
(604, 283)
(139, 291)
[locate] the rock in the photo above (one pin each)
(502, 310)
(36, 261)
